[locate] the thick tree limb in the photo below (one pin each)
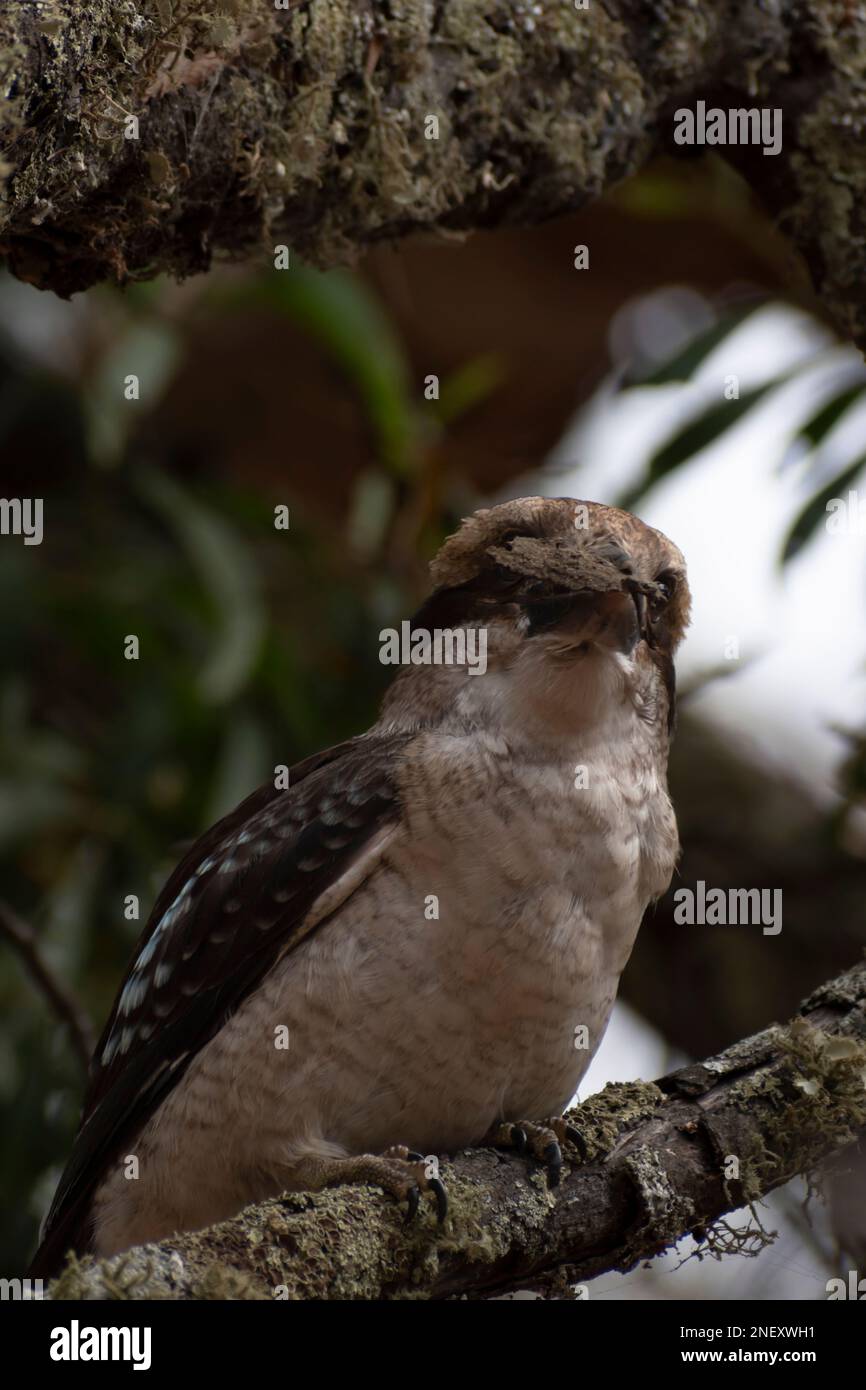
(658, 1166)
(309, 125)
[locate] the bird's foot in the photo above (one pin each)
(421, 1175)
(399, 1171)
(542, 1140)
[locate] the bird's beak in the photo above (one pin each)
(621, 620)
(612, 619)
(642, 611)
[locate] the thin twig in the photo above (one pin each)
(59, 996)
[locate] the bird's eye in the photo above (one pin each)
(508, 536)
(666, 584)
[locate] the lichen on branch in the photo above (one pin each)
(661, 1160)
(140, 136)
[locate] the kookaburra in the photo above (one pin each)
(416, 945)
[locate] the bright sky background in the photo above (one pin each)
(801, 630)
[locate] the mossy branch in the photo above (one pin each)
(153, 135)
(662, 1160)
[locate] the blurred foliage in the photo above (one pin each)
(339, 311)
(255, 647)
(814, 433)
(829, 459)
(255, 642)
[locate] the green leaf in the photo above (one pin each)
(70, 906)
(683, 365)
(370, 511)
(227, 575)
(469, 385)
(150, 349)
(338, 309)
(816, 509)
(241, 766)
(822, 422)
(696, 435)
(655, 196)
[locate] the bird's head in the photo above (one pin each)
(583, 606)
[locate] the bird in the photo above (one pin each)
(413, 943)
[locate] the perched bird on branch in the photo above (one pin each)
(415, 945)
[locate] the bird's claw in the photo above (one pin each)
(418, 1181)
(518, 1139)
(542, 1141)
(437, 1187)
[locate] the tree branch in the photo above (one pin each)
(61, 999)
(152, 135)
(660, 1163)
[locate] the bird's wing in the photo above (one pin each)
(248, 891)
